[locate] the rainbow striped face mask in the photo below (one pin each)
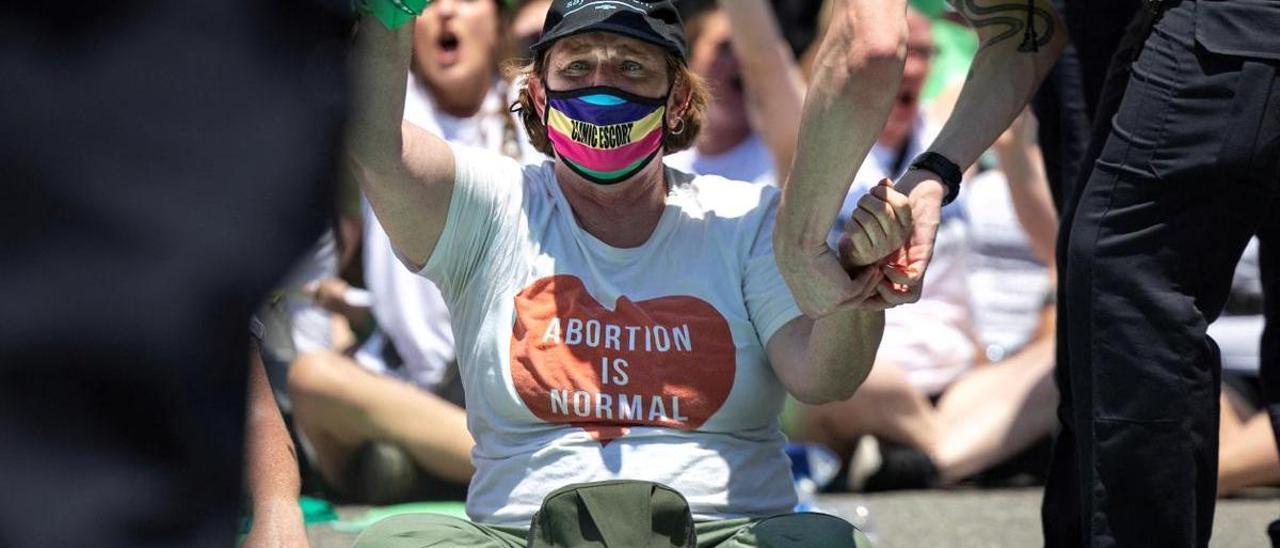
(604, 134)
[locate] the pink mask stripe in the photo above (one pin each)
(604, 160)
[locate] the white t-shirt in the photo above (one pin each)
(749, 161)
(586, 362)
(1239, 336)
(1008, 283)
(409, 309)
(309, 322)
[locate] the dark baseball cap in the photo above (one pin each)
(654, 22)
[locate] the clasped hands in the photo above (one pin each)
(883, 253)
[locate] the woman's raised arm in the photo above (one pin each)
(406, 173)
(854, 81)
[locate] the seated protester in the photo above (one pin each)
(756, 89)
(377, 419)
(617, 320)
(311, 326)
(1011, 222)
(1247, 453)
(926, 415)
(298, 323)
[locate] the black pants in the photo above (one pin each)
(1269, 264)
(161, 165)
(1068, 98)
(1184, 168)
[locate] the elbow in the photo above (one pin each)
(875, 46)
(798, 238)
(833, 385)
(378, 153)
(865, 47)
(822, 393)
(880, 51)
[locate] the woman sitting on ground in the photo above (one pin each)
(615, 318)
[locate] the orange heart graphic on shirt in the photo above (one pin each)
(666, 362)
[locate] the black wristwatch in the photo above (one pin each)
(945, 169)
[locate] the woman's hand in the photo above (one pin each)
(329, 293)
(879, 227)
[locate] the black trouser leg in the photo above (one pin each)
(1096, 28)
(1061, 510)
(1269, 265)
(1069, 96)
(1064, 125)
(1151, 243)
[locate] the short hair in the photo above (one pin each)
(521, 70)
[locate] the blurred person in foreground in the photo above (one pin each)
(617, 319)
(386, 420)
(164, 163)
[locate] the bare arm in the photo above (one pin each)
(826, 355)
(1011, 62)
(1023, 166)
(826, 360)
(774, 87)
(406, 173)
(271, 467)
(855, 78)
(1016, 52)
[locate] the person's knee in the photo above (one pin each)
(806, 529)
(413, 530)
(311, 376)
(888, 397)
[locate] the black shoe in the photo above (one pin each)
(880, 466)
(381, 473)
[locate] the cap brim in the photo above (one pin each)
(545, 41)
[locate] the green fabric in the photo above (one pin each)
(956, 45)
(424, 530)
(316, 510)
(393, 13)
(313, 511)
(613, 513)
(375, 515)
(932, 8)
(801, 530)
